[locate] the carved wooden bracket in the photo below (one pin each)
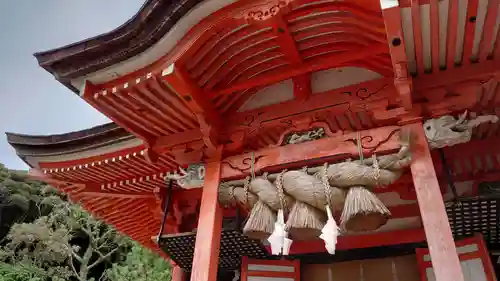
(403, 83)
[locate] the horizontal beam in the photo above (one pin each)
(360, 97)
(166, 142)
(327, 62)
(456, 75)
(360, 241)
(381, 141)
(113, 194)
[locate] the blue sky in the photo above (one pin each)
(31, 100)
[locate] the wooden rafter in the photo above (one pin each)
(392, 19)
(90, 95)
(302, 83)
(326, 62)
(208, 117)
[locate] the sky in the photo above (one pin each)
(31, 100)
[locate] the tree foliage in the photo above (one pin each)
(46, 237)
(140, 265)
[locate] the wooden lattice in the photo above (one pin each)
(234, 245)
(476, 215)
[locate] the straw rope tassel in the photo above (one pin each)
(363, 210)
(280, 244)
(330, 231)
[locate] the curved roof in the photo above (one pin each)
(77, 141)
(71, 137)
(145, 28)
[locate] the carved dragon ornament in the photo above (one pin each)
(448, 130)
(192, 177)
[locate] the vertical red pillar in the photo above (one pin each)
(436, 225)
(206, 252)
(178, 273)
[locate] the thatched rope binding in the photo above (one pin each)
(306, 195)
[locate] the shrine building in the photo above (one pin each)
(288, 140)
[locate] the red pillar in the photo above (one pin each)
(206, 252)
(435, 220)
(178, 273)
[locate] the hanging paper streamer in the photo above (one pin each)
(330, 232)
(280, 244)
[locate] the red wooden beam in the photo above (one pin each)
(393, 28)
(302, 87)
(302, 84)
(435, 220)
(488, 29)
(360, 241)
(178, 273)
(456, 75)
(381, 141)
(178, 80)
(326, 62)
(115, 194)
(361, 97)
(165, 142)
(208, 235)
(90, 93)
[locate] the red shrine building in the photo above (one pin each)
(287, 140)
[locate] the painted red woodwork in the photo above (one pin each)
(179, 81)
(470, 25)
(451, 34)
(381, 141)
(359, 241)
(208, 235)
(167, 142)
(302, 87)
(326, 62)
(481, 253)
(363, 96)
(488, 29)
(90, 92)
(434, 16)
(432, 210)
(394, 31)
(178, 273)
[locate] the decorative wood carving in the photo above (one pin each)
(362, 97)
(381, 141)
(192, 177)
(448, 131)
(306, 130)
(268, 10)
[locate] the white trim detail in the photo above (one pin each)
(273, 268)
(386, 4)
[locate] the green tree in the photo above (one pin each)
(52, 239)
(22, 272)
(140, 265)
(46, 243)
